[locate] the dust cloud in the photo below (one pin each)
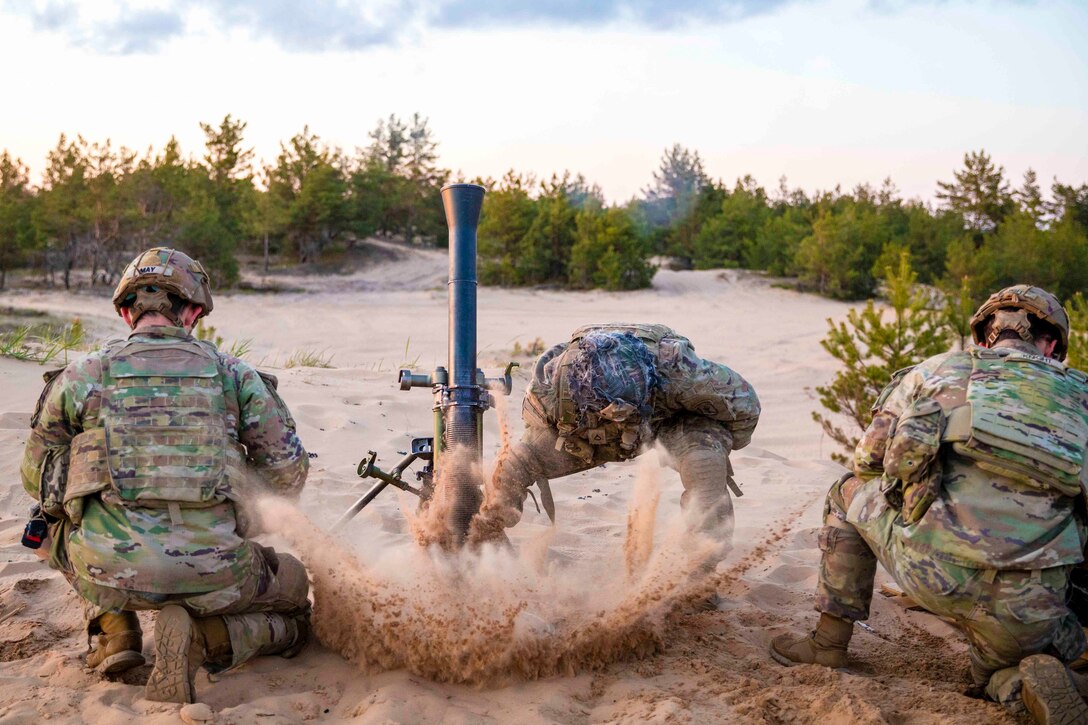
(488, 614)
(491, 615)
(639, 544)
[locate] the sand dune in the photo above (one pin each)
(694, 666)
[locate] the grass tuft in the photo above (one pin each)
(42, 343)
(236, 348)
(309, 359)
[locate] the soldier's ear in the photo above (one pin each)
(189, 315)
(126, 315)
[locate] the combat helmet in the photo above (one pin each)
(610, 375)
(149, 279)
(1025, 300)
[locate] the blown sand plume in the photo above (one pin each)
(487, 617)
(639, 543)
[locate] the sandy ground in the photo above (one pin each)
(548, 606)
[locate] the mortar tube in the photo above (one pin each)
(462, 203)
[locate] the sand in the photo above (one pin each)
(588, 621)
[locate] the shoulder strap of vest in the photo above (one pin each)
(568, 416)
(134, 347)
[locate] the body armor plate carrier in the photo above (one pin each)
(1026, 418)
(163, 440)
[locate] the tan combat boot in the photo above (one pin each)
(182, 645)
(825, 646)
(1049, 693)
(118, 646)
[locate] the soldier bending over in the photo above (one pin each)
(606, 396)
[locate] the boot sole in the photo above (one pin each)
(120, 662)
(1049, 693)
(169, 681)
(781, 659)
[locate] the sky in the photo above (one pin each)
(823, 92)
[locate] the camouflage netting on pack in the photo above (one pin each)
(612, 369)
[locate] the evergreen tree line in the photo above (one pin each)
(981, 233)
(97, 205)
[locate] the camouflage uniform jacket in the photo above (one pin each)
(119, 543)
(978, 519)
(688, 384)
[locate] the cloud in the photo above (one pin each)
(141, 31)
(142, 26)
(115, 29)
(653, 14)
(317, 25)
(49, 15)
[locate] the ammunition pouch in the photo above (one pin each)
(576, 447)
(130, 462)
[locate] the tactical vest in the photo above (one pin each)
(162, 440)
(578, 441)
(1024, 417)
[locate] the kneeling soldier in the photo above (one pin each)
(141, 456)
(969, 491)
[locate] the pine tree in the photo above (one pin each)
(1077, 355)
(309, 191)
(1030, 198)
(980, 194)
(16, 229)
(676, 186)
(872, 345)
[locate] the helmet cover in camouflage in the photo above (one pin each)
(613, 375)
(153, 275)
(1009, 309)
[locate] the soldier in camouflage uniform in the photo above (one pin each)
(142, 455)
(968, 488)
(606, 396)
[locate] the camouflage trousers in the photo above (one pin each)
(698, 446)
(257, 610)
(1005, 615)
